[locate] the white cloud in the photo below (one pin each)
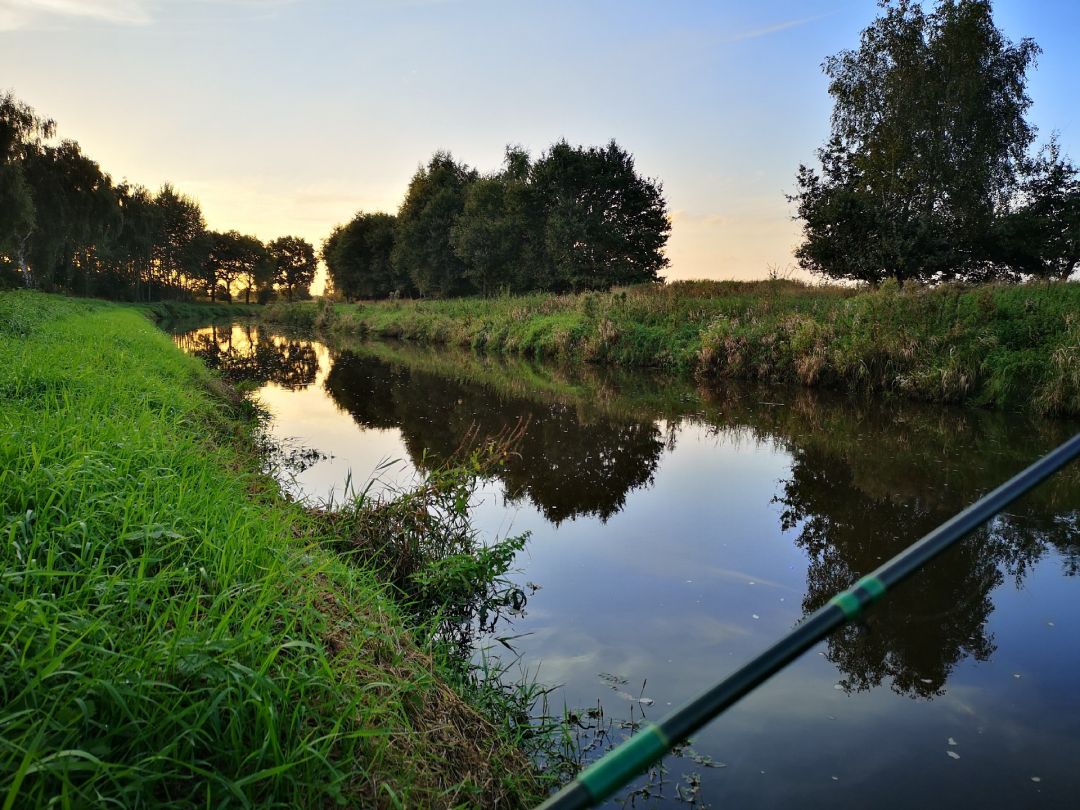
(22, 13)
(16, 14)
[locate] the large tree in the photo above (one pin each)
(929, 146)
(603, 223)
(295, 264)
(358, 258)
(422, 250)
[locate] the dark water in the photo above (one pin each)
(678, 530)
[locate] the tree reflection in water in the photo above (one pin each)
(247, 355)
(566, 467)
(856, 498)
(865, 480)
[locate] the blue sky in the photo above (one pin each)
(288, 116)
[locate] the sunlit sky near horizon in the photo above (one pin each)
(289, 116)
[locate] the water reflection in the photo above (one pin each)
(671, 500)
(246, 355)
(565, 466)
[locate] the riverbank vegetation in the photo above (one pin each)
(998, 345)
(177, 634)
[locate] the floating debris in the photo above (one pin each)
(644, 701)
(1036, 779)
(952, 741)
(704, 760)
(953, 754)
(1016, 675)
(754, 615)
(838, 687)
(835, 778)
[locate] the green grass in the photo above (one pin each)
(992, 345)
(173, 633)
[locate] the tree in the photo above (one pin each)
(928, 148)
(75, 212)
(21, 134)
(422, 250)
(131, 253)
(603, 224)
(233, 257)
(1041, 237)
(294, 263)
(180, 244)
(358, 258)
(499, 233)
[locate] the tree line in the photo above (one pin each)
(65, 226)
(577, 218)
(930, 173)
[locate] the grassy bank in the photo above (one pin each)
(994, 345)
(173, 633)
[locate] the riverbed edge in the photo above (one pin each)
(991, 345)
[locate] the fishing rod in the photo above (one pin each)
(633, 756)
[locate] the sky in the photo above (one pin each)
(289, 116)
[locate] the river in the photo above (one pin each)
(678, 529)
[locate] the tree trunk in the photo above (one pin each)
(24, 268)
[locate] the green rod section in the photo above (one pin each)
(623, 763)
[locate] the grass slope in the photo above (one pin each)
(171, 632)
(995, 345)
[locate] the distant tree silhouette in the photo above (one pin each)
(232, 257)
(295, 264)
(578, 218)
(65, 226)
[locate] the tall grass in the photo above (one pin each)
(995, 345)
(174, 634)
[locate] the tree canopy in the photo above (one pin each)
(928, 173)
(294, 264)
(577, 218)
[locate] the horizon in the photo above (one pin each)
(750, 103)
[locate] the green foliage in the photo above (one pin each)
(433, 202)
(174, 633)
(928, 157)
(357, 257)
(499, 235)
(579, 218)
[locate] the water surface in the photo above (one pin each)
(677, 530)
